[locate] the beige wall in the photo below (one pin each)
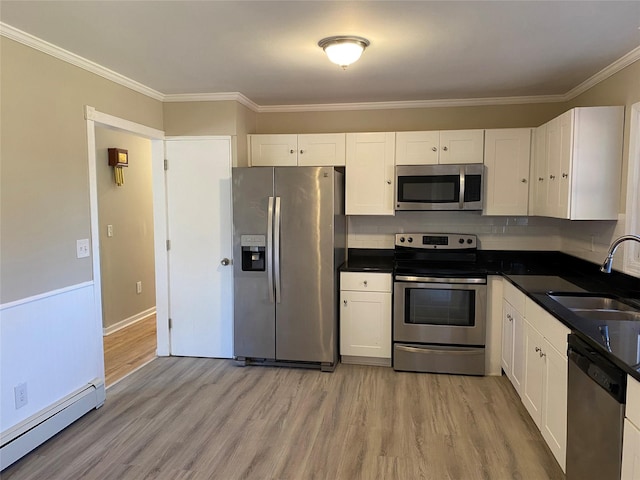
(44, 187)
(450, 118)
(128, 256)
(212, 118)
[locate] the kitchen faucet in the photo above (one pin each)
(606, 266)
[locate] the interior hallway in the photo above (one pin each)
(128, 349)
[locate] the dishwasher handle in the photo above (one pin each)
(605, 374)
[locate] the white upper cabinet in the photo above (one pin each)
(369, 175)
(273, 150)
(433, 147)
(577, 165)
(506, 158)
(321, 149)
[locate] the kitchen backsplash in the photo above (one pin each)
(588, 240)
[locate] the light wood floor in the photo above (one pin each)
(194, 418)
(128, 349)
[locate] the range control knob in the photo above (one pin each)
(469, 241)
(461, 240)
(401, 239)
(410, 239)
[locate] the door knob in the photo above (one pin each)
(225, 261)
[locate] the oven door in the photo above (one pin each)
(440, 313)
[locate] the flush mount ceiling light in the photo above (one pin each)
(343, 50)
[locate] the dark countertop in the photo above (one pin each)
(368, 260)
(537, 272)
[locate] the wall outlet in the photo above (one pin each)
(82, 248)
(138, 287)
(109, 230)
(20, 392)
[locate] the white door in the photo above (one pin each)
(200, 236)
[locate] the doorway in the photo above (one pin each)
(127, 269)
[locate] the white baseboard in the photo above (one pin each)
(37, 429)
(138, 317)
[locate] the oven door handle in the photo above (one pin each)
(407, 278)
(439, 350)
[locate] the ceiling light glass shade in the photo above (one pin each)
(343, 50)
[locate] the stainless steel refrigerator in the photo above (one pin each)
(289, 239)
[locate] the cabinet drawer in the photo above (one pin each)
(633, 400)
(365, 282)
(514, 296)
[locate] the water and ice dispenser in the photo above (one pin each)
(253, 253)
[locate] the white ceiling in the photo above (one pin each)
(267, 50)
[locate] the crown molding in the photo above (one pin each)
(34, 42)
(615, 67)
(66, 56)
(213, 97)
(462, 102)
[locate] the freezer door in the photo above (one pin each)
(304, 265)
(254, 303)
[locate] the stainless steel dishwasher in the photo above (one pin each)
(595, 402)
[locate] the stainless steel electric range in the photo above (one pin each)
(439, 304)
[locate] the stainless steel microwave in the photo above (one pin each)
(439, 187)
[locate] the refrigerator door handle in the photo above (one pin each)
(276, 248)
(270, 248)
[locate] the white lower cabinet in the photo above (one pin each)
(545, 381)
(631, 440)
(365, 318)
(513, 338)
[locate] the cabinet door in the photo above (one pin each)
(553, 145)
(534, 373)
(369, 175)
(518, 362)
(365, 324)
(323, 149)
(507, 339)
(630, 452)
(274, 150)
(539, 173)
(564, 168)
(554, 409)
(506, 157)
(417, 148)
(461, 146)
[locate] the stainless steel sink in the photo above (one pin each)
(608, 314)
(597, 307)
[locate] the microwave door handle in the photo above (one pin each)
(461, 187)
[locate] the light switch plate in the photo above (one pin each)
(82, 248)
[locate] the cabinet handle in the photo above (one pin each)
(540, 179)
(301, 152)
(509, 317)
(445, 148)
(345, 302)
(524, 180)
(434, 149)
(292, 151)
(365, 283)
(542, 354)
(552, 177)
(565, 175)
(538, 349)
(388, 182)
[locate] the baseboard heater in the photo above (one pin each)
(19, 440)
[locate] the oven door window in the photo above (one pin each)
(440, 307)
(429, 189)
